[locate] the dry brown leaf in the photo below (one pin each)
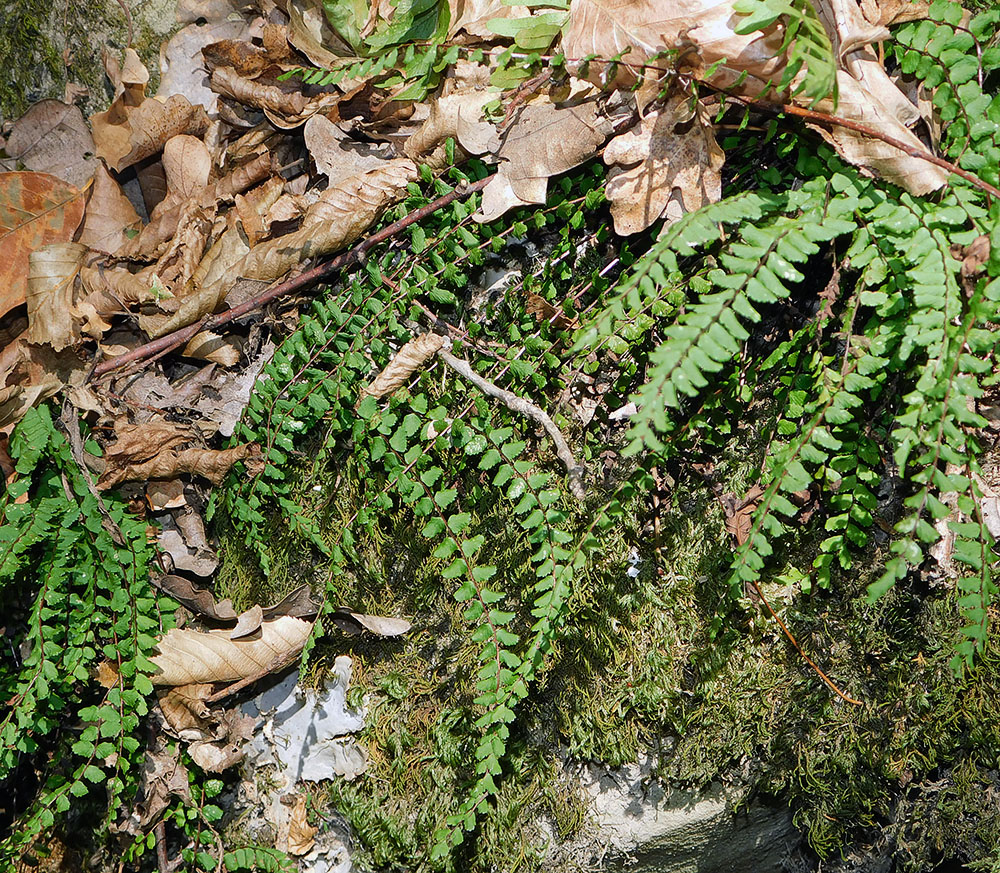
(233, 729)
(254, 208)
(164, 495)
(458, 115)
(351, 622)
(248, 623)
(473, 16)
(182, 67)
(109, 214)
(187, 164)
(163, 778)
(341, 215)
(210, 464)
(301, 834)
(739, 513)
(196, 598)
(35, 209)
(701, 32)
(336, 154)
(185, 710)
(208, 346)
(543, 311)
(887, 12)
(666, 166)
(136, 127)
(252, 92)
(410, 358)
(189, 657)
(52, 137)
(52, 271)
(310, 32)
(546, 139)
(136, 443)
(184, 541)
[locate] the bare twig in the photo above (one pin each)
(577, 472)
(162, 861)
(290, 286)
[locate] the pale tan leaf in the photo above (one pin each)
(187, 164)
(861, 105)
(888, 12)
(546, 139)
(35, 209)
(188, 657)
(185, 709)
(210, 464)
(254, 208)
(165, 495)
(182, 67)
(473, 16)
(341, 215)
(109, 214)
(458, 115)
(52, 137)
(336, 154)
(248, 623)
(351, 622)
(126, 135)
(208, 346)
(52, 270)
(301, 834)
(410, 358)
(310, 32)
(668, 165)
(699, 31)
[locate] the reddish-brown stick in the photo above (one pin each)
(180, 337)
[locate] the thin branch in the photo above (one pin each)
(836, 121)
(576, 472)
(290, 286)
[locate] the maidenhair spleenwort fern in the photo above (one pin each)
(871, 394)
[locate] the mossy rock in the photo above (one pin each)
(44, 46)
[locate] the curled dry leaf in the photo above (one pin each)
(52, 271)
(410, 358)
(208, 346)
(458, 115)
(135, 127)
(109, 214)
(668, 165)
(196, 598)
(182, 67)
(341, 215)
(210, 464)
(248, 623)
(52, 137)
(351, 622)
(35, 209)
(187, 164)
(189, 657)
(261, 95)
(185, 710)
(739, 513)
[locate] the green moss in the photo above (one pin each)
(42, 47)
(666, 660)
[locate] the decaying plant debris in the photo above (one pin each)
(138, 249)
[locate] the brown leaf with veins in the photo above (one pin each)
(109, 214)
(739, 513)
(666, 166)
(410, 358)
(35, 209)
(546, 139)
(261, 95)
(52, 137)
(196, 598)
(301, 834)
(134, 126)
(190, 657)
